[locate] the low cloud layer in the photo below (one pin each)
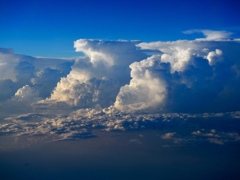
(174, 128)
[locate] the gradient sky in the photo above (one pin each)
(163, 107)
(49, 27)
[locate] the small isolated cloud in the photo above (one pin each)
(216, 137)
(169, 135)
(216, 141)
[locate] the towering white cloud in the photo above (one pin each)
(95, 80)
(146, 90)
(187, 76)
(200, 75)
(120, 85)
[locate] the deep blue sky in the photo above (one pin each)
(49, 27)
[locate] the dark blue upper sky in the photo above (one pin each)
(49, 27)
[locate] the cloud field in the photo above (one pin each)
(121, 84)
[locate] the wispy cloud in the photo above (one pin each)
(211, 35)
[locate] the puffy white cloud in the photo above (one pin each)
(200, 75)
(28, 79)
(214, 56)
(15, 72)
(124, 85)
(94, 50)
(26, 93)
(95, 80)
(146, 91)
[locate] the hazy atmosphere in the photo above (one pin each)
(119, 89)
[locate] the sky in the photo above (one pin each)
(112, 57)
(48, 28)
(153, 79)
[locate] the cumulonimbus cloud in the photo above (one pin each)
(95, 79)
(200, 75)
(122, 85)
